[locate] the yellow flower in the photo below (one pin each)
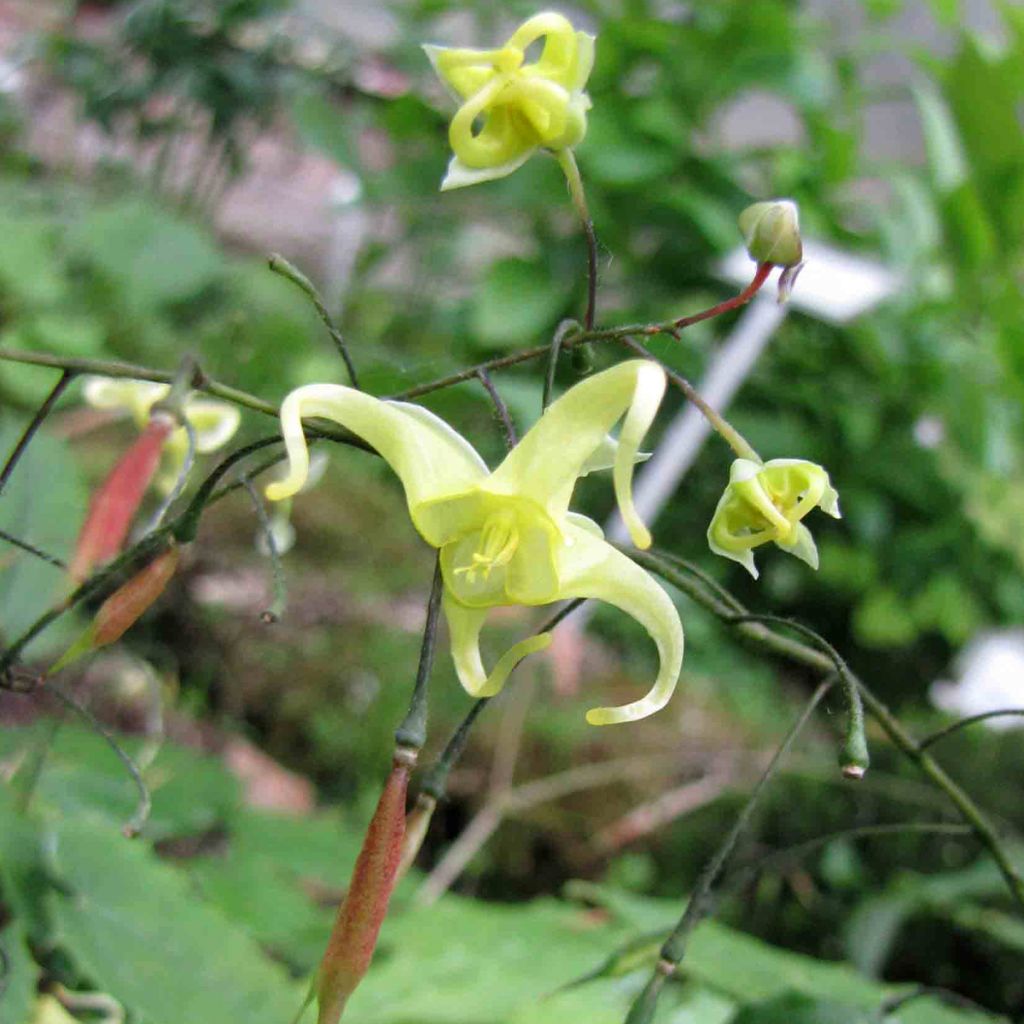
(508, 537)
(765, 502)
(214, 422)
(511, 108)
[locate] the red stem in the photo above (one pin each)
(760, 276)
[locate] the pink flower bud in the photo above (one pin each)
(115, 503)
(352, 942)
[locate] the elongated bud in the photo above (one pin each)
(354, 937)
(124, 607)
(115, 503)
(771, 232)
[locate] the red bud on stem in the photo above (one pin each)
(352, 942)
(124, 607)
(115, 503)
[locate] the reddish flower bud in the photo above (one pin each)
(115, 503)
(124, 607)
(362, 912)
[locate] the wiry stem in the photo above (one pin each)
(699, 906)
(736, 441)
(33, 550)
(279, 265)
(34, 424)
(567, 161)
(941, 734)
(507, 426)
(803, 654)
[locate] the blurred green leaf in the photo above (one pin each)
(517, 304)
(799, 1009)
(136, 930)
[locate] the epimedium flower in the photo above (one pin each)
(765, 502)
(507, 537)
(214, 422)
(511, 107)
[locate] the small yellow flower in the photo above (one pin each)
(511, 108)
(766, 502)
(214, 422)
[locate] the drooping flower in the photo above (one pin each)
(508, 537)
(766, 502)
(214, 422)
(511, 108)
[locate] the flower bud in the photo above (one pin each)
(124, 607)
(361, 914)
(115, 503)
(771, 231)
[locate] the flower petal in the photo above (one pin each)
(575, 427)
(430, 458)
(802, 545)
(133, 396)
(214, 422)
(464, 625)
(593, 568)
(459, 175)
(463, 71)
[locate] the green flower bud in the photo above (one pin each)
(771, 231)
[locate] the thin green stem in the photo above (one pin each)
(33, 550)
(802, 654)
(436, 780)
(699, 905)
(567, 161)
(565, 328)
(279, 587)
(34, 424)
(736, 441)
(963, 723)
(412, 732)
(279, 265)
(508, 428)
(134, 824)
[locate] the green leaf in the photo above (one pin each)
(43, 504)
(19, 976)
(151, 257)
(518, 303)
(29, 268)
(134, 927)
(794, 1008)
(191, 792)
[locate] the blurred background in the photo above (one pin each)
(153, 152)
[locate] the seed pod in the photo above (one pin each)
(361, 914)
(124, 607)
(115, 503)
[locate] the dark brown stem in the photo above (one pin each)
(34, 424)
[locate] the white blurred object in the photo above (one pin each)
(990, 677)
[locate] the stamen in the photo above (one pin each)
(499, 540)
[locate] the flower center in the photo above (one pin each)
(499, 539)
(509, 59)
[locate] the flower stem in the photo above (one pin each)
(736, 441)
(567, 161)
(279, 265)
(34, 424)
(810, 657)
(699, 905)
